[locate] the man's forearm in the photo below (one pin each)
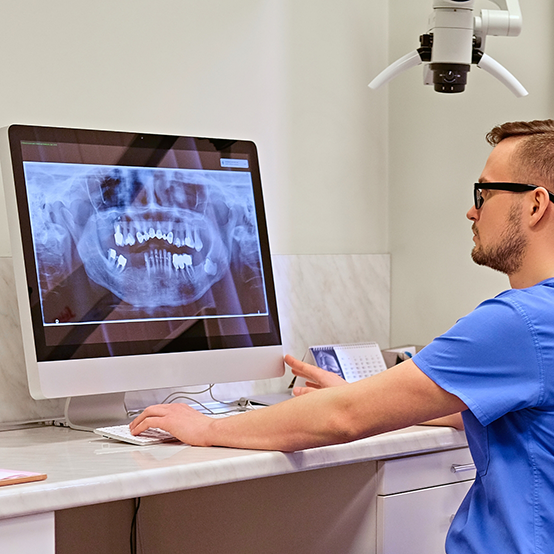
(340, 414)
(454, 420)
(393, 399)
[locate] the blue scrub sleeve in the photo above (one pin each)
(489, 359)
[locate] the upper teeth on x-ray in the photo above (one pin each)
(153, 237)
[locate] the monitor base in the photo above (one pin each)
(86, 413)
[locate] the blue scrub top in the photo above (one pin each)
(499, 360)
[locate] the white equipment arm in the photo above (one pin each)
(399, 66)
(491, 66)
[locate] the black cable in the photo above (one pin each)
(133, 537)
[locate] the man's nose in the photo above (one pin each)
(473, 213)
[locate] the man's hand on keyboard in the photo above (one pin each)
(183, 422)
(316, 378)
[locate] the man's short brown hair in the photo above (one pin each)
(534, 155)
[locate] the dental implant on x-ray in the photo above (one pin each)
(454, 41)
(153, 237)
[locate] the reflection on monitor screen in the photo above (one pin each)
(142, 261)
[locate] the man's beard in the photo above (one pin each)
(507, 255)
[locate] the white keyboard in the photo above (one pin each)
(123, 433)
(150, 436)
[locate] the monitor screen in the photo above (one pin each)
(142, 260)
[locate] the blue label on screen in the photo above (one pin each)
(229, 162)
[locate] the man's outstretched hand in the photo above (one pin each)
(316, 378)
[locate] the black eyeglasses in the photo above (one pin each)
(510, 187)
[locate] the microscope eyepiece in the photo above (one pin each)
(449, 77)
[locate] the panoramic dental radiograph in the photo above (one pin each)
(159, 240)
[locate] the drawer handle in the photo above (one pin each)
(459, 468)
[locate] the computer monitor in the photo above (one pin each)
(141, 261)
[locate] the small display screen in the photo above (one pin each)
(137, 244)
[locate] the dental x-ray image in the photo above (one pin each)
(164, 242)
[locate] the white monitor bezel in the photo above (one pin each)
(94, 376)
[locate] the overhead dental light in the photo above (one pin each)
(455, 40)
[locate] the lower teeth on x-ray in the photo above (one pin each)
(153, 237)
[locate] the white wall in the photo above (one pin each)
(289, 75)
(292, 75)
(437, 151)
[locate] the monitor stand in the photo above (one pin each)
(86, 413)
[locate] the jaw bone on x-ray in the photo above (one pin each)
(153, 237)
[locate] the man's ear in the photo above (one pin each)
(539, 205)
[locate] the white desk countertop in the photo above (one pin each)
(85, 469)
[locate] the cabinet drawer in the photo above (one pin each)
(417, 522)
(425, 470)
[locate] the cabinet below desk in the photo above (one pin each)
(32, 534)
(417, 499)
(392, 506)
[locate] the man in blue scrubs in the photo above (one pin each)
(496, 366)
